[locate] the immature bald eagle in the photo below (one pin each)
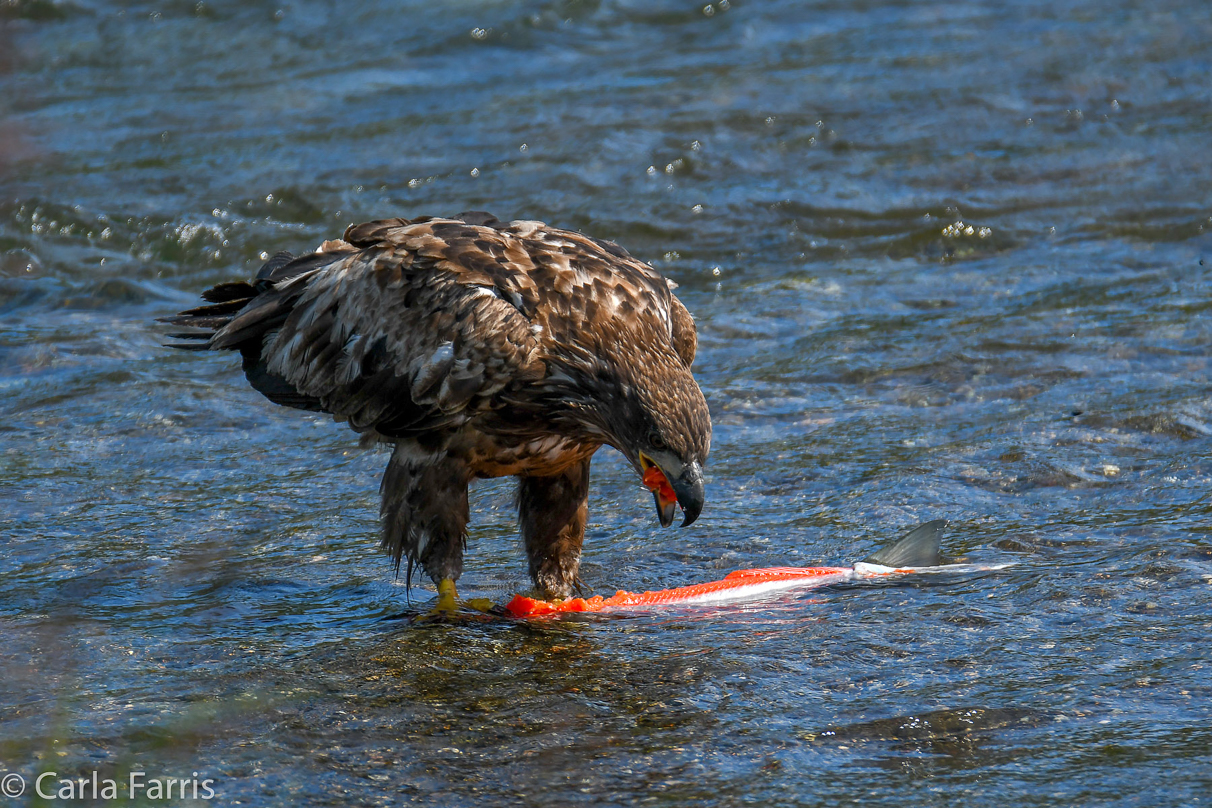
(480, 349)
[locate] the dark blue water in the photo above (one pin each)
(947, 260)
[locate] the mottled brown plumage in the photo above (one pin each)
(479, 349)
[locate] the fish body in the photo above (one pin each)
(917, 552)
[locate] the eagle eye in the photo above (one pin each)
(656, 441)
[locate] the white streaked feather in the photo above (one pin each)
(349, 364)
(283, 358)
(525, 228)
(432, 369)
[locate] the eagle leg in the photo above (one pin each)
(450, 609)
(551, 514)
(424, 513)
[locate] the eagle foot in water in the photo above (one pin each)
(449, 609)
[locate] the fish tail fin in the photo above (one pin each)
(917, 548)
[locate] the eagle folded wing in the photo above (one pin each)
(394, 337)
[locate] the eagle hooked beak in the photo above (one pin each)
(686, 489)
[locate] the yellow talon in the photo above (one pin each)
(447, 607)
(479, 604)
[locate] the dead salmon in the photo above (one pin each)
(916, 552)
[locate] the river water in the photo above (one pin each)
(948, 260)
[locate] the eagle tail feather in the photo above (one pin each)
(237, 315)
(229, 291)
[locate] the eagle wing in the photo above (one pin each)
(398, 328)
(406, 326)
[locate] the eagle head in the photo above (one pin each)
(657, 417)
